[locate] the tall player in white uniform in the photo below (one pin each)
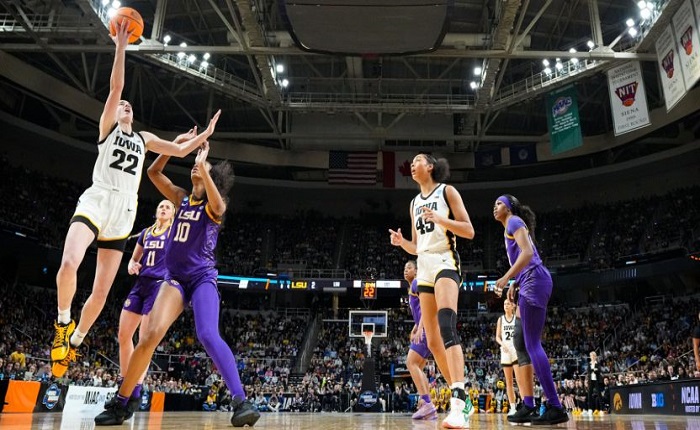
(505, 333)
(107, 209)
(438, 215)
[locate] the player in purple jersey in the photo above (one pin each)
(191, 280)
(147, 261)
(418, 351)
(535, 289)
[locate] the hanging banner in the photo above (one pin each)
(628, 100)
(670, 68)
(563, 120)
(686, 31)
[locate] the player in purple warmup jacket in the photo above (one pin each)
(535, 289)
(147, 261)
(190, 280)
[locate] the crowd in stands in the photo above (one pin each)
(646, 344)
(636, 345)
(595, 235)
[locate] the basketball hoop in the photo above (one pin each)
(368, 337)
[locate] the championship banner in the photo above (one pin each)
(87, 400)
(670, 68)
(686, 32)
(563, 120)
(628, 100)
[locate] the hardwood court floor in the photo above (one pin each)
(333, 421)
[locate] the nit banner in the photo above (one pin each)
(628, 100)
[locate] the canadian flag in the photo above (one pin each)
(397, 169)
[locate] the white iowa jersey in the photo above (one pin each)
(433, 237)
(507, 330)
(120, 161)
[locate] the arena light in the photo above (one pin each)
(473, 85)
(204, 64)
(642, 4)
(285, 83)
(632, 31)
(280, 68)
(645, 13)
(105, 2)
(477, 71)
(547, 71)
(166, 39)
(116, 4)
(545, 62)
(191, 59)
(630, 22)
(590, 44)
(111, 12)
(572, 50)
(206, 56)
(559, 65)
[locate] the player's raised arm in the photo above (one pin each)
(165, 147)
(116, 81)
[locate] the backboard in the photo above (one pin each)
(363, 320)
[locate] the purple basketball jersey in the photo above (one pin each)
(513, 250)
(413, 301)
(191, 245)
(152, 260)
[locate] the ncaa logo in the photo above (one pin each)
(617, 402)
(51, 396)
(127, 303)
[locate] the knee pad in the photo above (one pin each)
(519, 344)
(447, 320)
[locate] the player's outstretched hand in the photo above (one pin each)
(212, 124)
(395, 237)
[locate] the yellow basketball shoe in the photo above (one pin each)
(59, 368)
(61, 340)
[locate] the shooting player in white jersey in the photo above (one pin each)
(106, 211)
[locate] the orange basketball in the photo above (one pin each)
(130, 17)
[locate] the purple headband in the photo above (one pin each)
(505, 201)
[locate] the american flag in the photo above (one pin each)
(352, 167)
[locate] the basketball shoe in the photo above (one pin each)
(427, 411)
(132, 405)
(61, 340)
(244, 413)
(552, 415)
(114, 416)
(58, 368)
(460, 411)
(524, 414)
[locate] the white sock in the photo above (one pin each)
(77, 338)
(63, 316)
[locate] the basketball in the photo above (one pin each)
(132, 19)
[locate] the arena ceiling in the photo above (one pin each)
(316, 101)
